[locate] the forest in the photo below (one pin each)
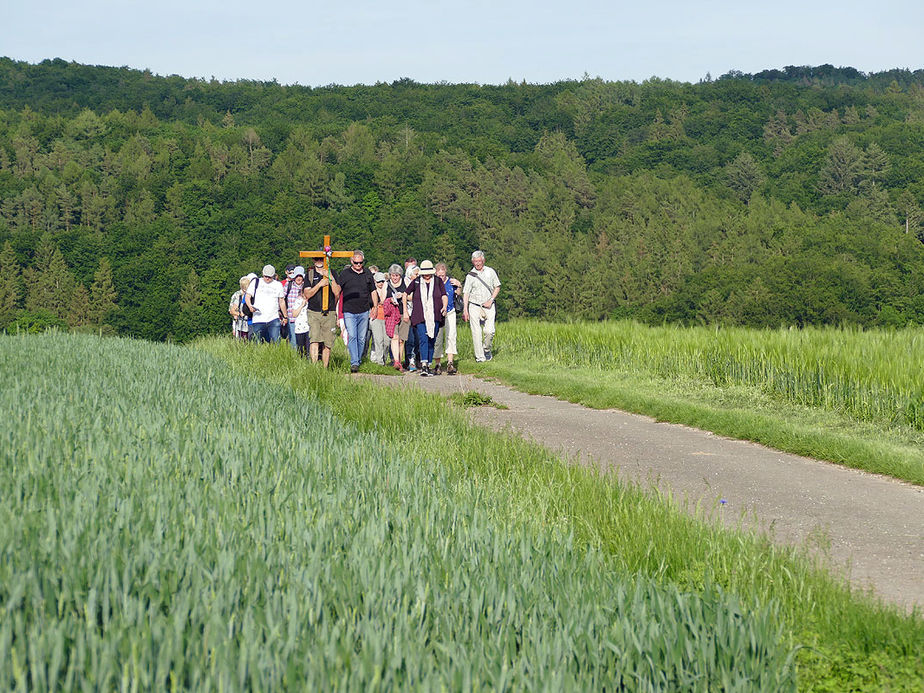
(131, 203)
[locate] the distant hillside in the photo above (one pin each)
(788, 196)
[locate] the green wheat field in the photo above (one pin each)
(229, 517)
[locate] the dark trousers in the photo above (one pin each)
(301, 343)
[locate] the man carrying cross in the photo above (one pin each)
(478, 294)
(322, 319)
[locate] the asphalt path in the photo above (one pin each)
(869, 528)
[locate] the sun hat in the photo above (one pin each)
(268, 270)
(426, 267)
(299, 271)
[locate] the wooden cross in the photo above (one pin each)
(327, 254)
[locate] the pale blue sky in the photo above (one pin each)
(315, 43)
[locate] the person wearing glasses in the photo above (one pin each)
(265, 298)
(360, 303)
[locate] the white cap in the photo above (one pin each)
(268, 270)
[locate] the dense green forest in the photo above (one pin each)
(132, 203)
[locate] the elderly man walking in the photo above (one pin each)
(478, 293)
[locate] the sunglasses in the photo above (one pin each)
(358, 263)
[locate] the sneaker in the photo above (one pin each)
(451, 370)
(436, 369)
(354, 369)
(411, 367)
(487, 355)
(425, 372)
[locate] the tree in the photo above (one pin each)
(102, 295)
(258, 156)
(78, 307)
(911, 212)
(744, 176)
(876, 164)
(189, 318)
(843, 168)
(10, 284)
(49, 281)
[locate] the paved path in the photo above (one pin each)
(871, 525)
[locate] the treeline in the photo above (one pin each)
(785, 197)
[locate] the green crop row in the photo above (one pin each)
(874, 375)
(169, 523)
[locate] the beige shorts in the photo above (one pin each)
(322, 328)
(404, 330)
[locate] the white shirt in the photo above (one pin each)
(301, 320)
(266, 302)
(475, 290)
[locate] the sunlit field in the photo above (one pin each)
(231, 517)
(846, 395)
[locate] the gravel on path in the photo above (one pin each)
(870, 527)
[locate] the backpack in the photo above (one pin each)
(246, 309)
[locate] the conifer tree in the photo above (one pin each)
(49, 281)
(10, 284)
(102, 294)
(78, 307)
(744, 176)
(191, 303)
(843, 168)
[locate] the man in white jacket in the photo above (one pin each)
(478, 294)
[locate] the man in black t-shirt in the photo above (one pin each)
(322, 325)
(360, 301)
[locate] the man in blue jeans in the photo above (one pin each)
(360, 301)
(266, 300)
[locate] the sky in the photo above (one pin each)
(465, 41)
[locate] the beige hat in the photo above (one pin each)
(426, 267)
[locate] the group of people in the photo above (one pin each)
(407, 315)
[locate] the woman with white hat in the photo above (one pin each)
(428, 312)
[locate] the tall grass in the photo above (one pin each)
(874, 375)
(170, 522)
(855, 642)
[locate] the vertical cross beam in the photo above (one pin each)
(327, 253)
